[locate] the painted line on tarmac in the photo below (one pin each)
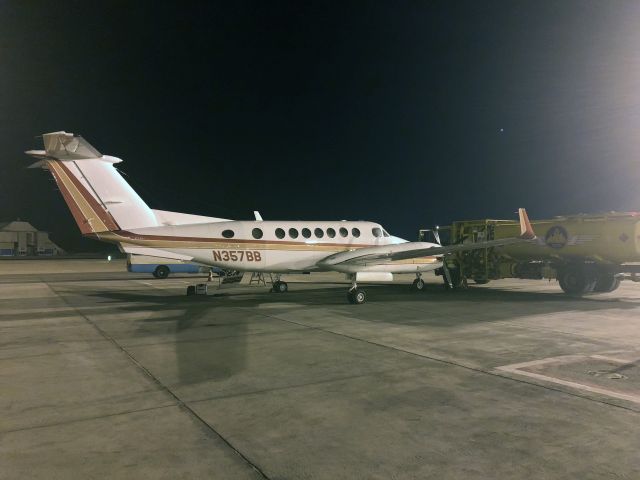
(517, 368)
(494, 372)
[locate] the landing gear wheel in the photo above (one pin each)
(161, 271)
(481, 281)
(356, 296)
(280, 287)
(606, 282)
(419, 284)
(191, 290)
(577, 280)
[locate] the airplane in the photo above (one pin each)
(106, 208)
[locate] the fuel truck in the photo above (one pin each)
(584, 253)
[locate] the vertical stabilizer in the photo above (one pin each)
(97, 195)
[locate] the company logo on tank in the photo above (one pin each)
(556, 237)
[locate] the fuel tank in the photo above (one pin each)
(607, 238)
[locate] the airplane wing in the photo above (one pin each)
(404, 251)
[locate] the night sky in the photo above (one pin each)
(406, 113)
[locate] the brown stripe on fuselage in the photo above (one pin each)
(205, 242)
(159, 241)
(105, 217)
(91, 218)
(79, 217)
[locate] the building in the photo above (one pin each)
(20, 238)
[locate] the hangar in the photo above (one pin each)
(20, 238)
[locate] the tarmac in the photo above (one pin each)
(107, 374)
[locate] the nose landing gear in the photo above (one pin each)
(419, 283)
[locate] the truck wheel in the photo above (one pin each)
(161, 271)
(577, 280)
(606, 282)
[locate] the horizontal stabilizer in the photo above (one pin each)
(174, 218)
(67, 146)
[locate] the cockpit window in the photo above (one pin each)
(384, 232)
(377, 232)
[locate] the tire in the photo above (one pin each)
(606, 282)
(481, 281)
(357, 297)
(577, 280)
(280, 287)
(418, 284)
(191, 290)
(161, 271)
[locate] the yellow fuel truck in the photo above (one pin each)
(585, 253)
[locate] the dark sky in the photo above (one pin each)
(406, 113)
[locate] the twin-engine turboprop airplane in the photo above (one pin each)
(106, 208)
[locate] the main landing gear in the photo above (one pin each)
(279, 286)
(355, 295)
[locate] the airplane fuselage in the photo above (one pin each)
(271, 246)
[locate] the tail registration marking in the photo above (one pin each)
(236, 256)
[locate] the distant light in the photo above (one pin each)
(501, 130)
(108, 258)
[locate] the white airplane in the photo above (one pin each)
(106, 208)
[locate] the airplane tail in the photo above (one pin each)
(97, 195)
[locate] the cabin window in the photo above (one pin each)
(377, 232)
(228, 233)
(293, 233)
(279, 233)
(355, 232)
(306, 233)
(331, 233)
(343, 232)
(319, 232)
(256, 232)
